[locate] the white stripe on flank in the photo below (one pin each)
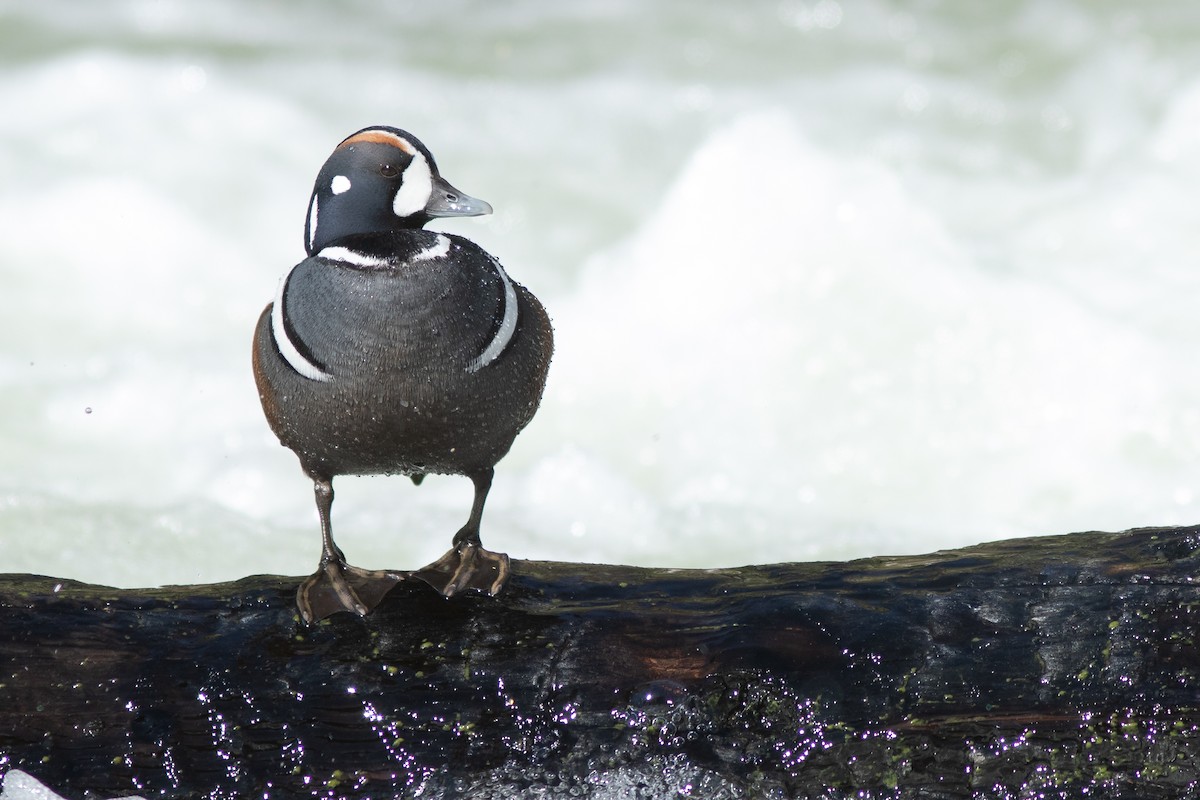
(508, 325)
(352, 257)
(440, 249)
(287, 348)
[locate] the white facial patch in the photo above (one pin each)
(508, 325)
(440, 249)
(416, 189)
(352, 257)
(339, 184)
(287, 348)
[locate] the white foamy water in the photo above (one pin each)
(829, 280)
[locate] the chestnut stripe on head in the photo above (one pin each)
(417, 185)
(375, 136)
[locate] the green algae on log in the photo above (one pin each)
(1059, 667)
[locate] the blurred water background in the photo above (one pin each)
(830, 279)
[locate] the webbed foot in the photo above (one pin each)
(467, 566)
(337, 586)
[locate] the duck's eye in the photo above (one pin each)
(388, 171)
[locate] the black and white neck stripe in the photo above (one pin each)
(297, 355)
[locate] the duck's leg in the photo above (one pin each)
(467, 565)
(337, 586)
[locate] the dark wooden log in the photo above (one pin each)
(1048, 667)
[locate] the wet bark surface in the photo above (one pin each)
(1060, 665)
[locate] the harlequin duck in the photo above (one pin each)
(396, 350)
